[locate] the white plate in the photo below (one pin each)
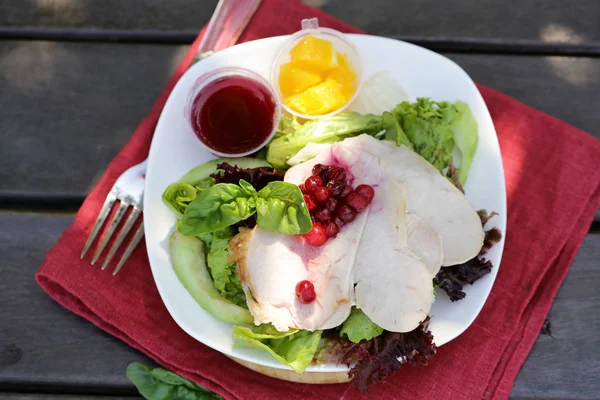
(175, 150)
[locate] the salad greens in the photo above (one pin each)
(160, 384)
(294, 348)
(178, 195)
(393, 131)
(295, 135)
(279, 207)
(187, 254)
(435, 127)
(196, 175)
(358, 327)
(215, 198)
(222, 271)
(464, 129)
(426, 124)
(218, 207)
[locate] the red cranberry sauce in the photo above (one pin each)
(332, 202)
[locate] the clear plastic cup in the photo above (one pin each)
(224, 72)
(310, 27)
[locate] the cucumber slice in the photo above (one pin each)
(187, 255)
(203, 171)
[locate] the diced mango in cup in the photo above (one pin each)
(313, 53)
(344, 77)
(294, 79)
(321, 99)
(317, 80)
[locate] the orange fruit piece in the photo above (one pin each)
(321, 99)
(294, 79)
(313, 53)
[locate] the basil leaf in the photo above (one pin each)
(280, 207)
(160, 384)
(217, 207)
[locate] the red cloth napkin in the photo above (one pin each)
(553, 188)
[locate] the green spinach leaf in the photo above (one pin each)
(161, 384)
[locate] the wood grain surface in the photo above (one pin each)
(574, 21)
(43, 346)
(68, 108)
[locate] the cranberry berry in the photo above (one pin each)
(356, 201)
(331, 229)
(311, 204)
(312, 183)
(316, 236)
(305, 292)
(365, 191)
(346, 213)
(322, 194)
(324, 215)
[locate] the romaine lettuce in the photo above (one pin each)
(295, 348)
(222, 271)
(358, 327)
(464, 129)
(426, 124)
(322, 130)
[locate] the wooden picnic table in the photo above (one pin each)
(76, 77)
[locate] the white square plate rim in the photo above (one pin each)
(162, 170)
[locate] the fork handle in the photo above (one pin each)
(226, 25)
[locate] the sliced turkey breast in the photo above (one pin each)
(271, 264)
(393, 286)
(433, 198)
(425, 243)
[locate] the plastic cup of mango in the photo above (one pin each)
(310, 87)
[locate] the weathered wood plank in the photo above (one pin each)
(566, 364)
(74, 105)
(42, 345)
(59, 349)
(549, 21)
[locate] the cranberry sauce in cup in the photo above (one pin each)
(233, 111)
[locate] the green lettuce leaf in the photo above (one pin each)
(464, 129)
(426, 124)
(161, 384)
(177, 196)
(221, 270)
(393, 131)
(217, 207)
(280, 207)
(358, 327)
(293, 348)
(321, 130)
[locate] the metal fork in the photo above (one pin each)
(129, 191)
(226, 24)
